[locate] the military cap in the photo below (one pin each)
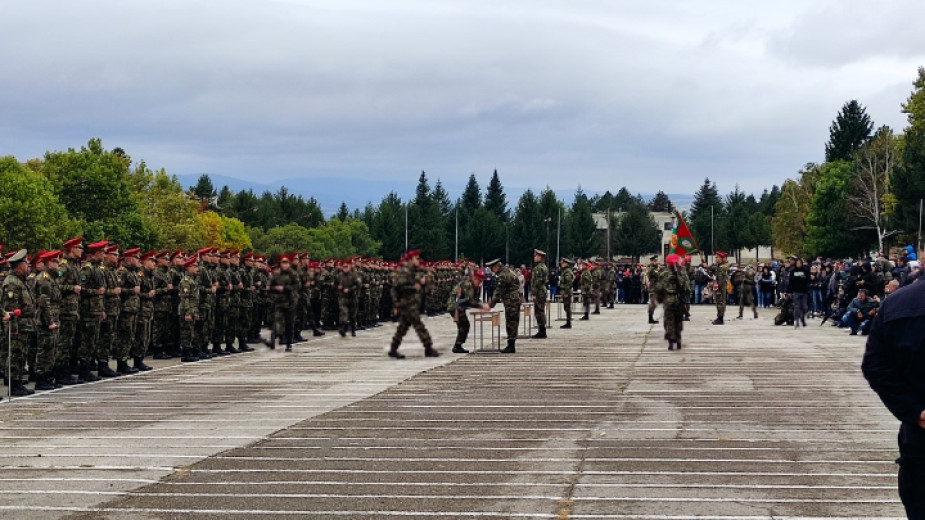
(74, 242)
(283, 258)
(131, 252)
(53, 256)
(17, 257)
(655, 257)
(722, 254)
(147, 256)
(568, 261)
(673, 259)
(191, 261)
(175, 254)
(538, 252)
(204, 251)
(411, 254)
(97, 246)
(491, 263)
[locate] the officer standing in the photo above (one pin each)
(720, 272)
(127, 276)
(68, 364)
(894, 362)
(538, 288)
(407, 285)
(163, 288)
(147, 294)
(15, 295)
(652, 272)
(112, 306)
(508, 293)
(566, 283)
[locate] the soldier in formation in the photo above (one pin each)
(720, 273)
(538, 287)
(566, 282)
(508, 293)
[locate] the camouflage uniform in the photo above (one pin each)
(128, 314)
(670, 287)
(284, 303)
(48, 301)
(406, 295)
(224, 312)
(566, 282)
(349, 286)
(91, 309)
(652, 276)
(538, 289)
(744, 282)
(205, 322)
(15, 294)
(112, 306)
(587, 290)
(145, 316)
(720, 272)
(69, 316)
(508, 293)
(173, 344)
(188, 305)
(162, 312)
(467, 297)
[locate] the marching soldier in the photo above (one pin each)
(566, 282)
(538, 287)
(407, 285)
(508, 293)
(284, 290)
(720, 272)
(670, 288)
(15, 295)
(744, 281)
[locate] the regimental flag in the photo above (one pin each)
(682, 241)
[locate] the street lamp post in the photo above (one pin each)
(547, 220)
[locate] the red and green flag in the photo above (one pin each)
(682, 240)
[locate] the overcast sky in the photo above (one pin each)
(603, 93)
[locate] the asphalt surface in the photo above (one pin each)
(748, 421)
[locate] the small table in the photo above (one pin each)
(560, 315)
(493, 318)
(527, 310)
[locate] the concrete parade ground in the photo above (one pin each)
(748, 421)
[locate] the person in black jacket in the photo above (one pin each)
(894, 364)
(798, 287)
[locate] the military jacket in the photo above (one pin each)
(128, 280)
(540, 278)
(70, 277)
(404, 292)
(566, 282)
(587, 281)
(290, 281)
(351, 281)
(205, 283)
(48, 300)
(15, 294)
(222, 295)
(671, 286)
(652, 273)
(467, 295)
(245, 295)
(720, 273)
(188, 291)
(508, 289)
(146, 282)
(162, 296)
(91, 280)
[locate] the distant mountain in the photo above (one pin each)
(330, 191)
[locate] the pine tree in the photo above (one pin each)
(636, 233)
(850, 130)
(584, 237)
(343, 213)
(527, 229)
(389, 226)
(914, 107)
(660, 202)
(204, 189)
(427, 227)
(495, 199)
(706, 217)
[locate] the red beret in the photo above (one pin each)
(175, 254)
(131, 252)
(283, 258)
(97, 246)
(411, 254)
(113, 249)
(148, 255)
(72, 242)
(190, 261)
(204, 251)
(722, 254)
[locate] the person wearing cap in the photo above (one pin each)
(188, 310)
(507, 292)
(670, 289)
(465, 296)
(566, 289)
(127, 278)
(538, 286)
(261, 281)
(69, 314)
(15, 295)
(47, 321)
(91, 312)
(587, 288)
(163, 315)
(112, 306)
(208, 287)
(744, 283)
(147, 295)
(245, 304)
(720, 273)
(175, 274)
(407, 284)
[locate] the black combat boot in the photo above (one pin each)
(288, 347)
(568, 325)
(64, 377)
(123, 369)
(430, 351)
(205, 354)
(510, 347)
(541, 334)
(316, 332)
(298, 337)
(717, 321)
(87, 375)
(342, 330)
(678, 344)
(353, 330)
(584, 318)
(229, 346)
(189, 355)
(20, 390)
(271, 343)
(218, 351)
(670, 345)
(652, 320)
(103, 370)
(243, 347)
(140, 364)
(458, 349)
(393, 353)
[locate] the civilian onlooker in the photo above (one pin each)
(815, 288)
(766, 285)
(701, 280)
(860, 312)
(798, 287)
(553, 283)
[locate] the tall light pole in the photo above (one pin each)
(507, 236)
(712, 250)
(919, 250)
(456, 240)
(406, 229)
(558, 234)
(608, 234)
(547, 220)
